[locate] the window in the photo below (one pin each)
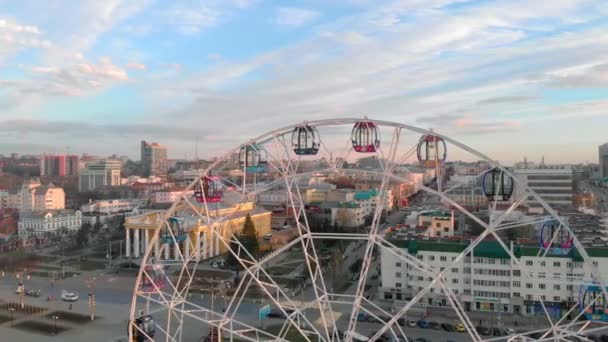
(397, 284)
(466, 270)
(420, 278)
(516, 273)
(542, 297)
(455, 291)
(569, 264)
(516, 294)
(454, 281)
(541, 275)
(528, 285)
(437, 224)
(441, 269)
(541, 286)
(557, 264)
(446, 229)
(516, 284)
(431, 257)
(569, 287)
(529, 263)
(594, 263)
(556, 287)
(556, 299)
(455, 270)
(528, 297)
(419, 257)
(543, 263)
(397, 274)
(557, 275)
(453, 258)
(443, 258)
(397, 264)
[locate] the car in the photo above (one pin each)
(434, 325)
(401, 321)
(372, 319)
(32, 293)
(422, 324)
(411, 323)
(422, 339)
(483, 331)
(447, 327)
(496, 332)
(267, 237)
(276, 313)
(509, 332)
(69, 296)
(460, 327)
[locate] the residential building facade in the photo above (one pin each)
(53, 222)
(154, 159)
(59, 165)
(99, 174)
(603, 160)
(488, 279)
(553, 184)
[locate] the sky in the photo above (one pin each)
(508, 78)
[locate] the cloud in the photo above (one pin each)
(508, 99)
(294, 17)
(469, 124)
(136, 66)
(589, 76)
(14, 27)
(192, 21)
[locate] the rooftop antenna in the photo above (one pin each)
(542, 161)
(525, 163)
(196, 149)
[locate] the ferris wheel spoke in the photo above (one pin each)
(308, 247)
(460, 312)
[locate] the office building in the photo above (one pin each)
(58, 165)
(154, 159)
(603, 160)
(49, 222)
(98, 174)
(553, 184)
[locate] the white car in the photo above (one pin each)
(267, 237)
(69, 296)
(510, 332)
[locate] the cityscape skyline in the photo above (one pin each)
(506, 80)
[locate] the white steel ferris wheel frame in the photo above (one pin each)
(176, 302)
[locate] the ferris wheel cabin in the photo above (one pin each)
(365, 137)
(555, 237)
(153, 279)
(497, 186)
(208, 190)
(143, 328)
(432, 151)
(592, 303)
(305, 141)
(175, 232)
(253, 159)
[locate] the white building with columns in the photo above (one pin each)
(201, 242)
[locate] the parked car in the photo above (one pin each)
(32, 293)
(460, 327)
(69, 296)
(267, 237)
(483, 331)
(510, 332)
(447, 327)
(422, 339)
(496, 332)
(401, 321)
(434, 325)
(423, 324)
(411, 323)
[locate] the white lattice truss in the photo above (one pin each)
(174, 304)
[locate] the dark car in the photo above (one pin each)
(434, 325)
(483, 331)
(422, 324)
(276, 313)
(447, 327)
(603, 338)
(496, 332)
(401, 321)
(422, 339)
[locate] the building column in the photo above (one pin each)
(197, 245)
(166, 251)
(136, 243)
(128, 243)
(176, 250)
(217, 244)
(146, 240)
(187, 248)
(204, 245)
(157, 249)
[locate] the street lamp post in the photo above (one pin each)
(91, 286)
(11, 309)
(55, 318)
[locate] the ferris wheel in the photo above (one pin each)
(323, 197)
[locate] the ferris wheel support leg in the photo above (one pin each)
(197, 244)
(136, 243)
(128, 243)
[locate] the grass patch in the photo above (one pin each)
(71, 317)
(41, 327)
